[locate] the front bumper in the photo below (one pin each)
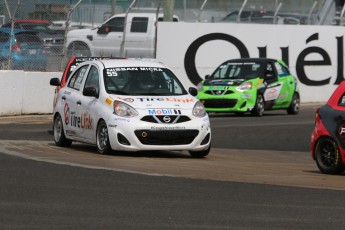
(133, 134)
(236, 102)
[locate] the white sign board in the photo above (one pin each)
(314, 54)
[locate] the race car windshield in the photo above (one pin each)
(238, 70)
(142, 81)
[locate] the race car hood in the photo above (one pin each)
(158, 102)
(224, 82)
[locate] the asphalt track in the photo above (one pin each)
(259, 175)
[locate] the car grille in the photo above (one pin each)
(219, 103)
(166, 137)
(219, 92)
(166, 119)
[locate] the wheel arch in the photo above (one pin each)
(79, 42)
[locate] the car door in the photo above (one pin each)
(274, 87)
(287, 85)
(107, 40)
(72, 97)
(88, 106)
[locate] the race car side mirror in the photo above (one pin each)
(193, 91)
(55, 81)
(90, 92)
(207, 76)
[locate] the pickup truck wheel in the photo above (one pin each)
(78, 49)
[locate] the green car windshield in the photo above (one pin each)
(238, 70)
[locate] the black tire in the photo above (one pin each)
(200, 154)
(327, 156)
(259, 107)
(78, 49)
(102, 138)
(295, 105)
(59, 134)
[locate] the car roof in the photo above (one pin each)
(252, 60)
(131, 62)
(33, 21)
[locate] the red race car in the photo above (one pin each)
(328, 137)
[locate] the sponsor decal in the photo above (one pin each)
(218, 87)
(163, 111)
(246, 95)
(112, 126)
(127, 99)
(66, 113)
(341, 130)
(108, 101)
(121, 119)
(84, 121)
(168, 128)
(168, 99)
(153, 99)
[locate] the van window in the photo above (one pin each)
(139, 24)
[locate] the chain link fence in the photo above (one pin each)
(38, 32)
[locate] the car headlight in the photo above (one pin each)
(199, 87)
(124, 110)
(245, 86)
(199, 109)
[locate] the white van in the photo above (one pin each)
(106, 40)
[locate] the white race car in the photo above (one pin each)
(129, 105)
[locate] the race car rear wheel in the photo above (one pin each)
(259, 107)
(59, 135)
(200, 154)
(327, 156)
(102, 138)
(295, 105)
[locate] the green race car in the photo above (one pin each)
(250, 85)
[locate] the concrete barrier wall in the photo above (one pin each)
(26, 92)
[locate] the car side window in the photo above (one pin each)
(93, 79)
(116, 24)
(139, 24)
(78, 77)
(282, 70)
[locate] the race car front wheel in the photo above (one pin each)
(102, 138)
(327, 156)
(59, 135)
(259, 107)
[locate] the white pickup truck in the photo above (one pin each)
(106, 40)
